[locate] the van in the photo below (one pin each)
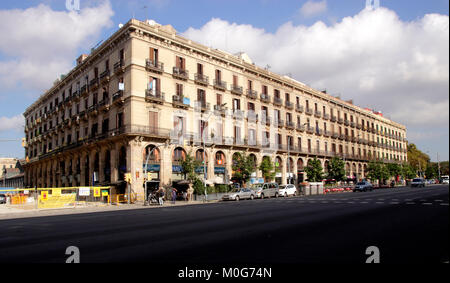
(266, 190)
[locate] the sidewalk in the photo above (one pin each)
(11, 212)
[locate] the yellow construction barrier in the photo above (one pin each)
(57, 201)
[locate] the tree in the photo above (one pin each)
(189, 165)
(336, 169)
(408, 171)
(394, 169)
(266, 168)
(417, 159)
(243, 167)
(432, 171)
(377, 171)
(314, 170)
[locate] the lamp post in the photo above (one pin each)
(204, 152)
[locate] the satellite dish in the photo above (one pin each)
(120, 25)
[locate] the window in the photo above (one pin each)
(236, 104)
(199, 69)
(179, 88)
(180, 63)
(153, 55)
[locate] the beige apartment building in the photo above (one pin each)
(148, 90)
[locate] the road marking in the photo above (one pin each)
(444, 204)
(410, 203)
(438, 200)
(380, 202)
(427, 203)
(395, 202)
(363, 202)
(350, 202)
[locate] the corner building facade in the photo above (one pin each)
(148, 90)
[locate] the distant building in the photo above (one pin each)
(12, 176)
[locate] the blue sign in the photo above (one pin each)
(219, 170)
(186, 101)
(200, 169)
(151, 167)
(177, 168)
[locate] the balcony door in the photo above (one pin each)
(154, 55)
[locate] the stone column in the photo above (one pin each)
(114, 164)
(101, 165)
(284, 170)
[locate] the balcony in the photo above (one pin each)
(346, 122)
(290, 125)
(341, 137)
(317, 114)
(319, 132)
(154, 66)
(220, 85)
(202, 106)
(220, 110)
(94, 84)
(119, 67)
(335, 135)
(310, 130)
(300, 128)
(84, 90)
(280, 123)
(299, 108)
(333, 119)
(252, 94)
(201, 79)
(238, 114)
(354, 139)
(93, 110)
(117, 97)
(266, 120)
(326, 116)
(352, 124)
(237, 90)
(265, 98)
(104, 77)
(358, 126)
(178, 101)
(181, 74)
(340, 120)
(289, 105)
(252, 117)
(309, 111)
(154, 96)
(277, 101)
(326, 133)
(103, 105)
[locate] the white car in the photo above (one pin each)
(266, 190)
(287, 190)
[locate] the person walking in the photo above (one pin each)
(161, 196)
(174, 195)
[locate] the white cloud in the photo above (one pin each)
(41, 43)
(374, 58)
(15, 123)
(311, 8)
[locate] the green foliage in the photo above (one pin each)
(314, 170)
(243, 167)
(408, 171)
(417, 159)
(266, 168)
(336, 169)
(189, 165)
(377, 171)
(393, 169)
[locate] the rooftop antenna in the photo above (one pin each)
(93, 48)
(146, 12)
(267, 67)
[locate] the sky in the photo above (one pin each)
(392, 56)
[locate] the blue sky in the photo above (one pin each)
(193, 18)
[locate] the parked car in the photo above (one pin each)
(418, 182)
(266, 190)
(2, 198)
(287, 190)
(238, 194)
(363, 186)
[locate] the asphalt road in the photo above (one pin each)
(407, 225)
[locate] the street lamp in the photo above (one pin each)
(204, 151)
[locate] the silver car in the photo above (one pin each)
(418, 182)
(238, 194)
(287, 190)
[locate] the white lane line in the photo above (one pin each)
(446, 204)
(350, 202)
(427, 203)
(380, 202)
(438, 200)
(363, 202)
(410, 202)
(394, 202)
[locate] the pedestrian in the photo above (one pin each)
(161, 196)
(185, 196)
(190, 193)
(174, 195)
